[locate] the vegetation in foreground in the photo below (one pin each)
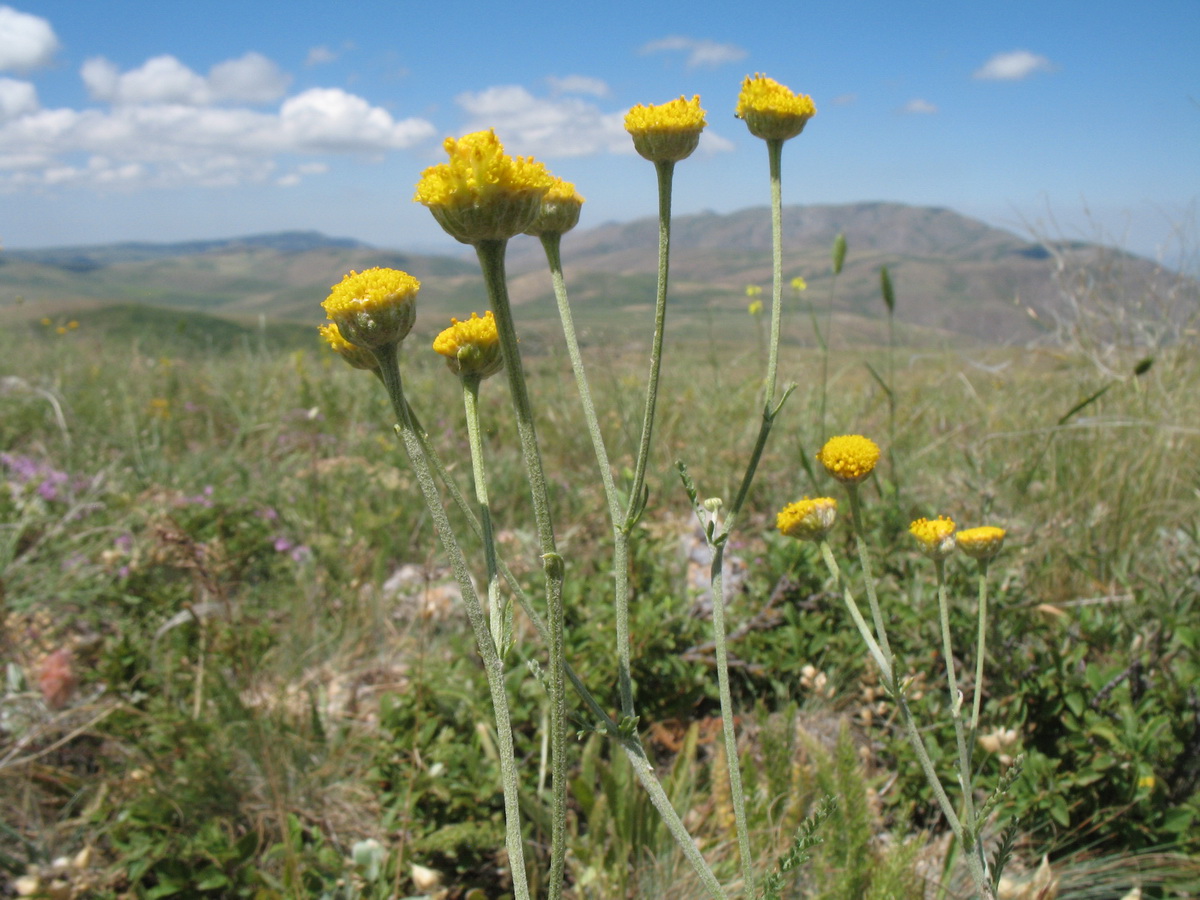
(234, 663)
(228, 678)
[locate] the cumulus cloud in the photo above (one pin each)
(918, 107)
(166, 125)
(556, 127)
(701, 53)
(17, 98)
(1013, 66)
(26, 42)
(578, 84)
(545, 127)
(250, 79)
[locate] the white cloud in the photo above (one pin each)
(318, 56)
(164, 128)
(547, 128)
(578, 84)
(1013, 66)
(163, 79)
(556, 127)
(702, 53)
(26, 42)
(250, 79)
(919, 107)
(17, 98)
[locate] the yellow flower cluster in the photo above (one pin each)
(983, 542)
(374, 308)
(935, 536)
(471, 347)
(668, 132)
(482, 193)
(807, 520)
(849, 458)
(358, 357)
(771, 111)
(559, 212)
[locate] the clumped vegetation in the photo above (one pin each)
(237, 667)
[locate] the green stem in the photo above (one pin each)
(980, 646)
(552, 243)
(732, 760)
(775, 157)
(665, 169)
(470, 386)
(864, 559)
(964, 756)
(491, 261)
(629, 744)
(883, 662)
(493, 666)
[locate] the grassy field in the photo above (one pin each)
(236, 666)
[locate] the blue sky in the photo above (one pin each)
(134, 120)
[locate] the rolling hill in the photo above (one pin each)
(955, 277)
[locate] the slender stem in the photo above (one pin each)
(980, 648)
(552, 243)
(964, 756)
(470, 386)
(665, 171)
(864, 630)
(491, 261)
(864, 559)
(727, 726)
(775, 157)
(493, 666)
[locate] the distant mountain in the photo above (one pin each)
(89, 258)
(954, 276)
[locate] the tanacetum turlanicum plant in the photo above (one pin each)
(850, 458)
(935, 537)
(375, 308)
(471, 347)
(771, 111)
(807, 520)
(482, 193)
(669, 132)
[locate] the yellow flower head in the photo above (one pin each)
(559, 212)
(374, 308)
(753, 290)
(807, 520)
(981, 543)
(666, 133)
(755, 308)
(935, 536)
(359, 357)
(482, 193)
(849, 458)
(799, 285)
(771, 111)
(471, 347)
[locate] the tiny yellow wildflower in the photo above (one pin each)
(1147, 781)
(771, 111)
(46, 321)
(471, 347)
(799, 285)
(935, 536)
(849, 458)
(755, 308)
(559, 212)
(358, 357)
(981, 543)
(374, 308)
(807, 520)
(482, 193)
(753, 290)
(668, 132)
